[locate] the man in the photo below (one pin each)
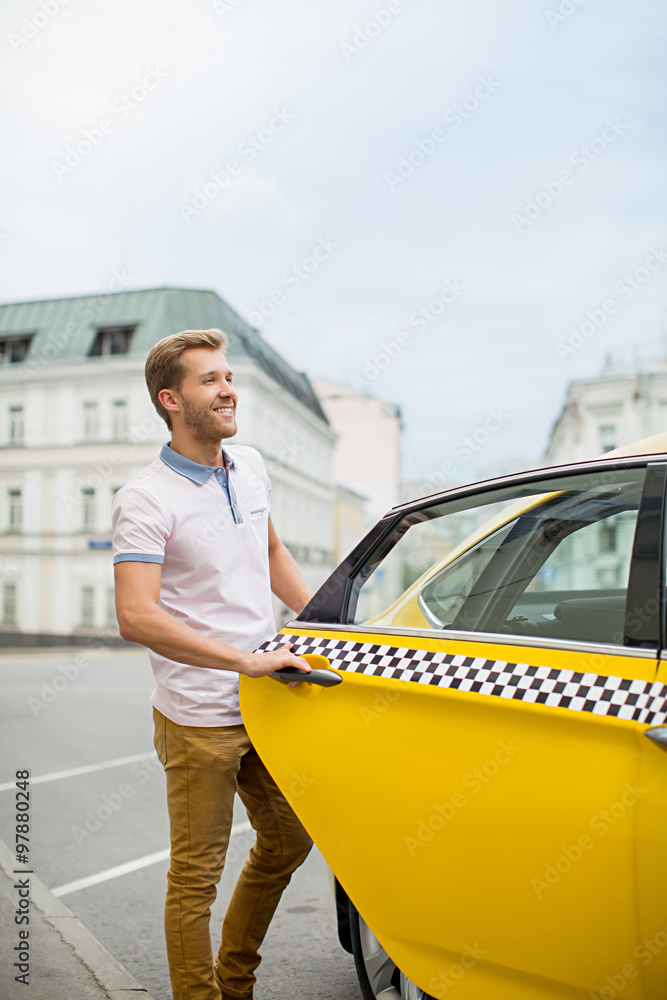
(196, 557)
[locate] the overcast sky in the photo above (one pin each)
(497, 164)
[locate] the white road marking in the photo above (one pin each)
(85, 769)
(129, 866)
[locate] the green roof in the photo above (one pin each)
(64, 329)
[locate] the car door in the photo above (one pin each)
(480, 780)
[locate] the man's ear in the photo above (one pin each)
(169, 399)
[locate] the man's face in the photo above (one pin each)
(208, 398)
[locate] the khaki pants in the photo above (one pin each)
(205, 767)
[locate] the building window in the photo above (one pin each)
(112, 620)
(608, 437)
(13, 350)
(608, 535)
(111, 340)
(90, 421)
(9, 604)
(15, 510)
(87, 607)
(16, 425)
(88, 510)
(119, 418)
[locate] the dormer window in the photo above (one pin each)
(111, 340)
(13, 349)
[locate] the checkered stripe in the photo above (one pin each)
(635, 700)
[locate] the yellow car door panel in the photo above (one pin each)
(481, 782)
(440, 770)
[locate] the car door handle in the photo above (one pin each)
(658, 735)
(323, 678)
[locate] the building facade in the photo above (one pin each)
(76, 423)
(627, 402)
(368, 452)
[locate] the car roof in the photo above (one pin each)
(655, 444)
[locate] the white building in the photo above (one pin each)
(368, 452)
(628, 401)
(76, 423)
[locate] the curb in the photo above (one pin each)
(109, 973)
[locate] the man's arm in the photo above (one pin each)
(287, 582)
(142, 620)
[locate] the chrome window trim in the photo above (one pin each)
(496, 639)
(595, 465)
(427, 613)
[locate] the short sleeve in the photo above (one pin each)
(140, 530)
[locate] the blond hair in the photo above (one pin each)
(165, 368)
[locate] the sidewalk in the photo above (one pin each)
(66, 961)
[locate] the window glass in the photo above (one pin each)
(119, 418)
(90, 420)
(87, 606)
(13, 350)
(16, 425)
(112, 340)
(15, 510)
(88, 508)
(550, 560)
(112, 620)
(9, 604)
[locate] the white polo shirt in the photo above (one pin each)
(209, 530)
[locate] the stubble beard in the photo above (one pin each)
(204, 424)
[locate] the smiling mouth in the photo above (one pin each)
(226, 411)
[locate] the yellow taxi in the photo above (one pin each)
(482, 757)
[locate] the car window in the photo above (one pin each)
(553, 563)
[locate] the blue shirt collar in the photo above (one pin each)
(186, 467)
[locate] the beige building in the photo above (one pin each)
(367, 458)
(76, 423)
(628, 401)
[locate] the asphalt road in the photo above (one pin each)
(59, 713)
